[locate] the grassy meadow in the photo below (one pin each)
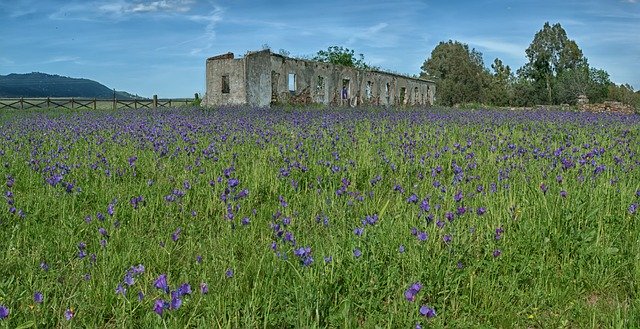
(327, 218)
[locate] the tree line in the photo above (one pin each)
(557, 72)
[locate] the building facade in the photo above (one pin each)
(262, 78)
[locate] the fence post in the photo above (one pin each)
(155, 101)
(48, 102)
(94, 104)
(135, 103)
(72, 103)
(114, 103)
(21, 101)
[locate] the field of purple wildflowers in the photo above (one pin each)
(337, 218)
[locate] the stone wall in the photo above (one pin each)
(608, 107)
(266, 78)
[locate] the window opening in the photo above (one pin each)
(345, 89)
(225, 84)
(320, 85)
(292, 82)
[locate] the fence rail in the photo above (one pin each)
(90, 103)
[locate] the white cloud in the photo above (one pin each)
(209, 35)
(498, 46)
(119, 10)
(127, 7)
(59, 59)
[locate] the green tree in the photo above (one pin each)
(459, 73)
(343, 56)
(582, 80)
(500, 88)
(550, 53)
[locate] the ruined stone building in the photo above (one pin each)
(262, 78)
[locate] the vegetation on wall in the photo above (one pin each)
(343, 56)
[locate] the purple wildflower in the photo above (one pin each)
(481, 211)
(120, 290)
(140, 296)
(414, 289)
(543, 188)
(69, 314)
(357, 253)
(176, 301)
(128, 279)
(199, 259)
(185, 289)
(358, 231)
(161, 283)
(401, 249)
(458, 196)
(204, 288)
(37, 297)
(424, 205)
(422, 236)
(497, 253)
(176, 234)
(4, 312)
(159, 306)
(229, 273)
(412, 198)
(449, 215)
(427, 311)
(446, 238)
(633, 208)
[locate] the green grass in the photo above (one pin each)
(567, 262)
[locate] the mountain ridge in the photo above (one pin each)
(38, 84)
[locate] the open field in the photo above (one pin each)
(243, 218)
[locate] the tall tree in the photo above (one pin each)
(500, 89)
(550, 53)
(458, 71)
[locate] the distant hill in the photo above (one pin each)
(38, 84)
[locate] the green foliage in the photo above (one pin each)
(624, 93)
(458, 71)
(343, 56)
(500, 91)
(556, 73)
(550, 54)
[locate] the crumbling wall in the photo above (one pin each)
(219, 67)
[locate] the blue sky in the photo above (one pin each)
(149, 47)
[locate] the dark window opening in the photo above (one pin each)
(225, 84)
(403, 92)
(368, 89)
(320, 85)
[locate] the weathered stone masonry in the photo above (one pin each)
(263, 78)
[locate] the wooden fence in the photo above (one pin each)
(90, 103)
